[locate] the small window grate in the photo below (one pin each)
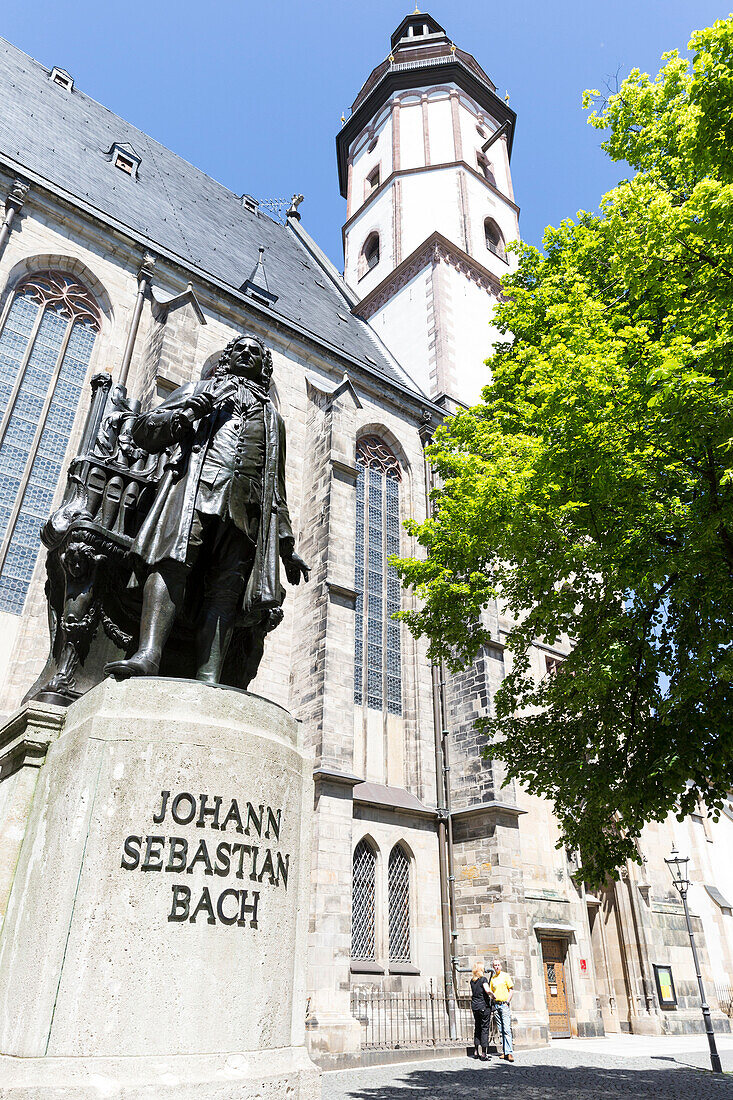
(399, 905)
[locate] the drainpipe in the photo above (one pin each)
(144, 278)
(445, 914)
(449, 830)
(13, 205)
(444, 830)
(641, 939)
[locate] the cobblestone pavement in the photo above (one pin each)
(645, 1069)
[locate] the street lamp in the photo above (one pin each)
(678, 868)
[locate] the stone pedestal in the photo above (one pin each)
(154, 941)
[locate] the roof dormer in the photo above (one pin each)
(62, 78)
(124, 158)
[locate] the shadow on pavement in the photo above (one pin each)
(544, 1082)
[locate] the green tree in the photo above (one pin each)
(590, 491)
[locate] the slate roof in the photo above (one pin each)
(65, 138)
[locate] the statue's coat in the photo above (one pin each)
(165, 531)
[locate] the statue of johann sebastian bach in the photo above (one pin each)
(220, 514)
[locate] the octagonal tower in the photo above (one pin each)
(424, 165)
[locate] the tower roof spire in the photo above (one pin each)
(417, 47)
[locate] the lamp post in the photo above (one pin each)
(678, 869)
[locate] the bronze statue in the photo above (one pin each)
(224, 505)
(175, 517)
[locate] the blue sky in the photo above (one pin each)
(253, 93)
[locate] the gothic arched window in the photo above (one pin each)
(494, 238)
(398, 890)
(45, 347)
(377, 655)
(371, 251)
(363, 902)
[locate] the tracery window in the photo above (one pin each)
(377, 652)
(398, 891)
(363, 902)
(45, 347)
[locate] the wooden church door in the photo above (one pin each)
(555, 989)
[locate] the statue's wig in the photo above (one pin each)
(267, 366)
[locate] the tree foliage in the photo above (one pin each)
(590, 492)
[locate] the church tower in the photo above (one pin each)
(424, 166)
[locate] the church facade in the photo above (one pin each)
(115, 253)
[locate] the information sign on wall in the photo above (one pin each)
(665, 986)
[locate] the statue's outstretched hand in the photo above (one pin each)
(295, 568)
(199, 404)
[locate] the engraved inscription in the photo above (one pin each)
(252, 861)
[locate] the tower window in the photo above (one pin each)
(45, 348)
(371, 252)
(494, 239)
(372, 183)
(377, 650)
(484, 166)
(363, 897)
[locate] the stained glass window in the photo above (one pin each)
(45, 348)
(377, 655)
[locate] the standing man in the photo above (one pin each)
(502, 988)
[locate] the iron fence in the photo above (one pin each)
(411, 1018)
(724, 994)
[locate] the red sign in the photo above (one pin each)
(582, 964)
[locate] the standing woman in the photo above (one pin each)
(481, 1006)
